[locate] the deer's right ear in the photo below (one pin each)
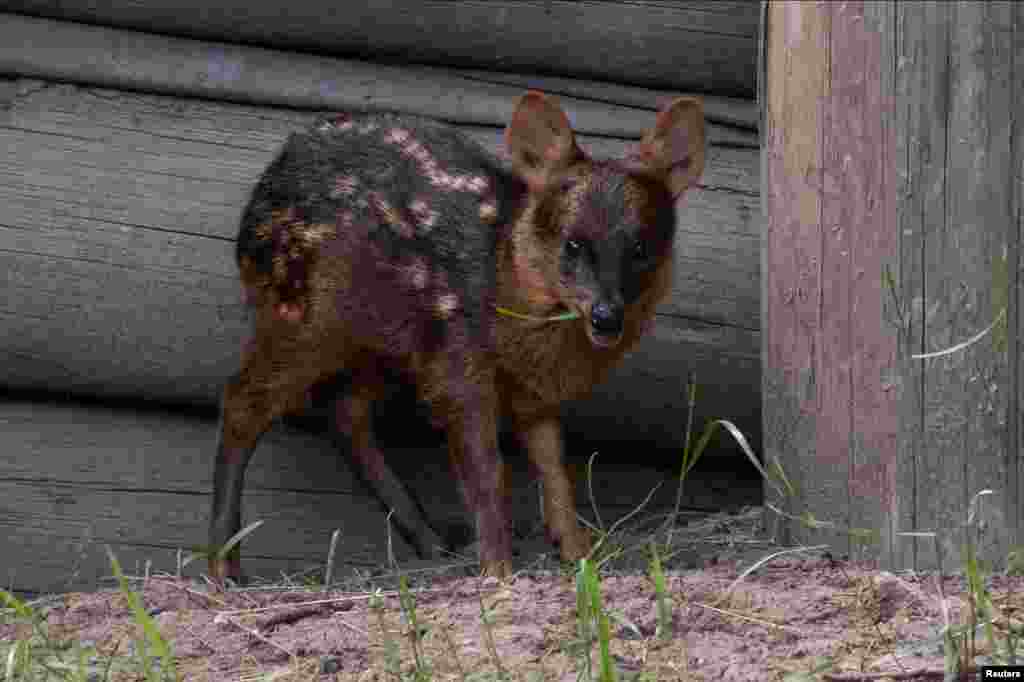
(540, 140)
(674, 148)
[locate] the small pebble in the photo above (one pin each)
(330, 665)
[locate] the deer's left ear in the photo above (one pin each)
(674, 148)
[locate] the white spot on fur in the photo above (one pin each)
(397, 136)
(488, 211)
(344, 185)
(417, 274)
(447, 304)
(426, 216)
(412, 148)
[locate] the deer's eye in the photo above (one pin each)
(573, 248)
(640, 250)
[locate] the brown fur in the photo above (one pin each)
(590, 237)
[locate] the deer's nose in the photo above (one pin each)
(606, 318)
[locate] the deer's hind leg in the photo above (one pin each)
(353, 417)
(279, 365)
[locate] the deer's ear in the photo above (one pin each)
(540, 140)
(674, 148)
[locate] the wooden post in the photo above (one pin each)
(892, 186)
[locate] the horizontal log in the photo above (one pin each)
(731, 111)
(119, 212)
(44, 562)
(296, 532)
(644, 401)
(706, 46)
(154, 127)
(76, 477)
(128, 60)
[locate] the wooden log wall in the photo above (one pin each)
(894, 170)
(121, 209)
(125, 161)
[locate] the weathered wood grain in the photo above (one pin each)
(727, 385)
(118, 214)
(706, 46)
(128, 60)
(140, 481)
(75, 477)
(731, 111)
(956, 229)
(966, 393)
(1015, 319)
(46, 563)
(890, 150)
(792, 276)
(44, 520)
(859, 108)
(921, 153)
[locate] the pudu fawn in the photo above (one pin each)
(377, 243)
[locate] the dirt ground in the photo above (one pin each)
(790, 615)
